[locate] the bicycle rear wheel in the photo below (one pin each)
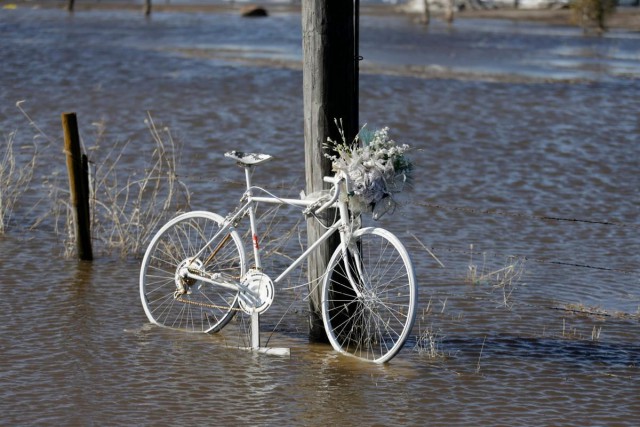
(373, 323)
(174, 301)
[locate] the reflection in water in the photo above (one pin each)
(501, 145)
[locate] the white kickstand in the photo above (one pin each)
(255, 340)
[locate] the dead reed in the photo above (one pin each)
(429, 340)
(16, 174)
(127, 208)
(505, 279)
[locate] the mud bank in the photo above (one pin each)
(625, 18)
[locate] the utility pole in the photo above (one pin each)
(330, 87)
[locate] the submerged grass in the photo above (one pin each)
(428, 339)
(596, 312)
(505, 279)
(429, 342)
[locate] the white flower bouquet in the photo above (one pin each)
(376, 166)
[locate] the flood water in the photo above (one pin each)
(526, 150)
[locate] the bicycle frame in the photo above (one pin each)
(250, 207)
(196, 274)
(341, 225)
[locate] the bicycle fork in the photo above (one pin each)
(346, 236)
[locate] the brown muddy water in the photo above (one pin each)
(526, 150)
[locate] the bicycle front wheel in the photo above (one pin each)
(171, 299)
(370, 316)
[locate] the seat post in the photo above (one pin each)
(252, 219)
(247, 176)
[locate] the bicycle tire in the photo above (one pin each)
(202, 307)
(374, 325)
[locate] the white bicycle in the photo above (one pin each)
(194, 274)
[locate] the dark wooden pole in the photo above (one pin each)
(426, 13)
(147, 7)
(77, 166)
(330, 92)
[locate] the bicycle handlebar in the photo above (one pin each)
(335, 180)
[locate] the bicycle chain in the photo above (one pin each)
(206, 304)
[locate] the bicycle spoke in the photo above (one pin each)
(374, 324)
(175, 301)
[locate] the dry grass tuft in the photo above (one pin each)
(428, 340)
(592, 14)
(128, 209)
(15, 177)
(505, 279)
(429, 343)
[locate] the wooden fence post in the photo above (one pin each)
(77, 167)
(426, 13)
(329, 92)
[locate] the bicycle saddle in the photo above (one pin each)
(248, 159)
